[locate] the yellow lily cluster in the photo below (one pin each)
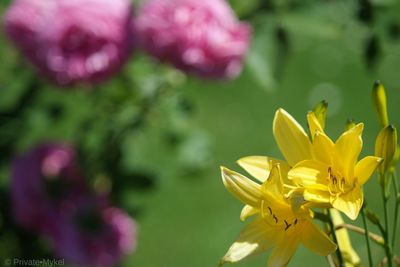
(316, 173)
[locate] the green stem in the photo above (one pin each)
(371, 264)
(396, 208)
(385, 231)
(384, 199)
(333, 231)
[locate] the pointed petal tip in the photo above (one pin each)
(243, 188)
(243, 160)
(224, 172)
(222, 169)
(360, 126)
(352, 215)
(281, 112)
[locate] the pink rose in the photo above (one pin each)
(198, 36)
(72, 41)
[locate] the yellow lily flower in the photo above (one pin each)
(275, 225)
(327, 174)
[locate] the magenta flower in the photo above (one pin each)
(94, 236)
(72, 41)
(202, 37)
(44, 181)
(50, 197)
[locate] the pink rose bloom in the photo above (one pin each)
(94, 236)
(198, 36)
(44, 181)
(72, 41)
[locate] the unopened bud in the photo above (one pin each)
(320, 111)
(372, 216)
(379, 98)
(385, 147)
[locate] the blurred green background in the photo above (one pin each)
(168, 160)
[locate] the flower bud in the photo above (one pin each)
(386, 147)
(379, 99)
(372, 217)
(320, 111)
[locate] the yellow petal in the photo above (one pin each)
(317, 197)
(242, 187)
(350, 203)
(255, 238)
(273, 186)
(248, 211)
(350, 256)
(348, 147)
(260, 166)
(310, 173)
(316, 240)
(323, 148)
(313, 124)
(291, 138)
(366, 167)
(284, 251)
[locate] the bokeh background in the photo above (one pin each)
(155, 137)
